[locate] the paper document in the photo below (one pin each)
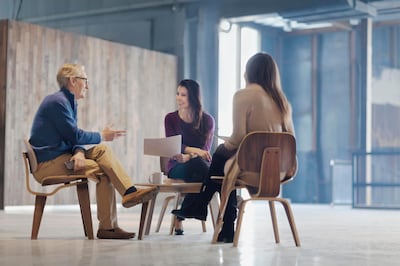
(163, 147)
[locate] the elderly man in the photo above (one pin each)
(58, 145)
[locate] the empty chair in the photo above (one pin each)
(269, 158)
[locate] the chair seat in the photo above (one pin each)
(54, 180)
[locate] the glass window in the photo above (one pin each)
(236, 45)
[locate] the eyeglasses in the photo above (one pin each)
(85, 79)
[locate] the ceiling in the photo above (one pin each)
(292, 15)
(285, 14)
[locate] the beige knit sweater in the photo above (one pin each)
(254, 110)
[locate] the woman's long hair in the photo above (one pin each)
(193, 89)
(262, 69)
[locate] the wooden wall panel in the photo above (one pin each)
(129, 87)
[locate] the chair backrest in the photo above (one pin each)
(164, 164)
(270, 154)
(31, 156)
(30, 165)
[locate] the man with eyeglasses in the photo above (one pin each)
(58, 145)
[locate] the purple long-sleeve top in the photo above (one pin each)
(174, 125)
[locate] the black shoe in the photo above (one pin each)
(182, 215)
(227, 233)
(178, 232)
(222, 239)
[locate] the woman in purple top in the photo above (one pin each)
(197, 130)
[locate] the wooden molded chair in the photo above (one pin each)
(270, 156)
(60, 182)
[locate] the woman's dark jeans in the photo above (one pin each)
(195, 170)
(199, 202)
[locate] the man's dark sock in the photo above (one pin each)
(130, 190)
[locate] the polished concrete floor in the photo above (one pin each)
(330, 235)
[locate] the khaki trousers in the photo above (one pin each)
(102, 167)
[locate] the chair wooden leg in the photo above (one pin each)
(214, 207)
(220, 217)
(40, 201)
(172, 226)
(162, 212)
(239, 222)
(203, 226)
(84, 202)
(274, 221)
(143, 216)
(292, 224)
(217, 230)
(228, 185)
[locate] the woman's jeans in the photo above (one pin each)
(195, 170)
(199, 202)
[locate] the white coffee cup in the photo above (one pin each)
(156, 178)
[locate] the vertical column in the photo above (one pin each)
(190, 43)
(3, 87)
(365, 100)
(201, 52)
(207, 55)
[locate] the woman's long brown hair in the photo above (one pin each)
(262, 69)
(193, 89)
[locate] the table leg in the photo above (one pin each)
(149, 216)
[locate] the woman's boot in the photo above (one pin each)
(228, 232)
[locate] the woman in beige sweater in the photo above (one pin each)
(261, 106)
